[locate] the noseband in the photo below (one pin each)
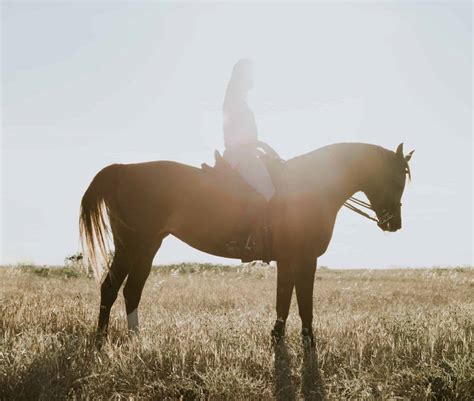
(386, 216)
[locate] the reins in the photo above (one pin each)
(358, 202)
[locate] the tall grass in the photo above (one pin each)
(205, 334)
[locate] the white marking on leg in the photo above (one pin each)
(132, 320)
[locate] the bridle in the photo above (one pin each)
(386, 217)
(352, 202)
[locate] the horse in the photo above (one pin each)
(145, 202)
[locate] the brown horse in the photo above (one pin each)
(145, 202)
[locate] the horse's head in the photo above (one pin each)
(386, 188)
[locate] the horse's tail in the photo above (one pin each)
(95, 210)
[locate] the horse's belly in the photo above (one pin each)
(206, 225)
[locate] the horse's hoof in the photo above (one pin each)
(99, 341)
(100, 338)
(308, 342)
(276, 337)
(278, 331)
(308, 338)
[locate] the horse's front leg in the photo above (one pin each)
(304, 283)
(285, 284)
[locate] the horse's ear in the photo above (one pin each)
(408, 156)
(399, 151)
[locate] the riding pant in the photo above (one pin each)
(253, 170)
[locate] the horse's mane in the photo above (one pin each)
(347, 149)
(341, 146)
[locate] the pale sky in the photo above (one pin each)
(87, 84)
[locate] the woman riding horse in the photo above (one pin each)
(243, 154)
(240, 132)
(145, 202)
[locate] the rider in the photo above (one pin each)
(240, 132)
(242, 145)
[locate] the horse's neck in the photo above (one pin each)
(338, 171)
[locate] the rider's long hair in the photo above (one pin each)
(240, 82)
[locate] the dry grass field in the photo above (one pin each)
(205, 334)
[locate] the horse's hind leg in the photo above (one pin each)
(137, 277)
(110, 287)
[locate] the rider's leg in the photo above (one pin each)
(254, 171)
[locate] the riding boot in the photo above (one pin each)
(254, 243)
(253, 234)
(244, 243)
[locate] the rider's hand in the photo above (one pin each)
(269, 151)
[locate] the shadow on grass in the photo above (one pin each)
(312, 387)
(56, 373)
(312, 383)
(285, 389)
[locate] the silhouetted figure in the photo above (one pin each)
(240, 131)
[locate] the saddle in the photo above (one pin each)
(253, 236)
(223, 168)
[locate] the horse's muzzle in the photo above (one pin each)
(389, 222)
